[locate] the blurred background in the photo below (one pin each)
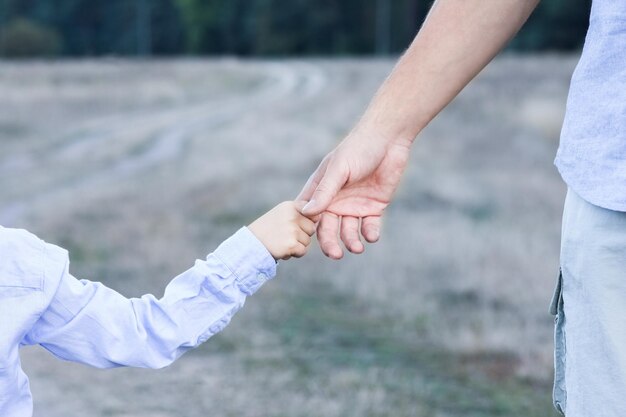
(87, 28)
(139, 134)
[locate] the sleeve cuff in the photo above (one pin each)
(248, 260)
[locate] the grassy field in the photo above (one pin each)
(138, 168)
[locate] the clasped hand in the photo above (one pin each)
(350, 190)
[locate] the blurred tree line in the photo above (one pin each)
(248, 27)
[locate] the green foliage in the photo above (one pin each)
(259, 27)
(555, 25)
(278, 27)
(102, 27)
(23, 38)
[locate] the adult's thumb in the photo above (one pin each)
(325, 192)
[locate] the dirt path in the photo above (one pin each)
(144, 140)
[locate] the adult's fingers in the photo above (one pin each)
(350, 234)
(370, 228)
(327, 231)
(333, 179)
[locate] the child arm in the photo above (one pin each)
(89, 323)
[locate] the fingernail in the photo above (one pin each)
(333, 254)
(308, 205)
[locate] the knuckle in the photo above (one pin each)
(285, 205)
(322, 187)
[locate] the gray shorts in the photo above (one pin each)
(590, 308)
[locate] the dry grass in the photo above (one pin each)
(140, 167)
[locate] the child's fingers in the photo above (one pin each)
(303, 238)
(299, 206)
(299, 251)
(315, 218)
(307, 225)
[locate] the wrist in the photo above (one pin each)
(254, 228)
(247, 259)
(376, 135)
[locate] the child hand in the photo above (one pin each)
(284, 231)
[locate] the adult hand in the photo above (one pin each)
(354, 184)
(356, 181)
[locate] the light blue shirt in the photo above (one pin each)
(592, 152)
(83, 321)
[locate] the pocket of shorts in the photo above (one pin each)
(557, 296)
(559, 394)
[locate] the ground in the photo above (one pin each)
(140, 167)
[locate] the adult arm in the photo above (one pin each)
(356, 181)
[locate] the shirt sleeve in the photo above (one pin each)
(90, 323)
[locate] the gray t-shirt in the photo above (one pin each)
(592, 153)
